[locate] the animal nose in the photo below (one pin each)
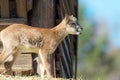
(78, 29)
(81, 28)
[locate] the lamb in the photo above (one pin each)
(18, 38)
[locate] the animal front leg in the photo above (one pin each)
(45, 61)
(41, 70)
(40, 67)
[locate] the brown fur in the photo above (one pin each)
(18, 38)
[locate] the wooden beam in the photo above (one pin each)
(29, 5)
(43, 14)
(4, 22)
(4, 5)
(21, 8)
(66, 64)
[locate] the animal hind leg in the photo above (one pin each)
(10, 59)
(6, 58)
(6, 55)
(8, 65)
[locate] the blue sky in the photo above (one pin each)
(105, 9)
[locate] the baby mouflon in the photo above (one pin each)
(18, 38)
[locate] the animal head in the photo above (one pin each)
(72, 25)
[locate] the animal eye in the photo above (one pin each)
(72, 24)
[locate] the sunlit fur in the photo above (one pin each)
(18, 38)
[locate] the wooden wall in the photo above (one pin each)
(67, 49)
(44, 13)
(15, 11)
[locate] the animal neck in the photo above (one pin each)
(60, 31)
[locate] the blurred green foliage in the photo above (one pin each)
(93, 63)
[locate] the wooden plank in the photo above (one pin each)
(21, 8)
(29, 5)
(9, 21)
(43, 14)
(59, 14)
(4, 8)
(73, 5)
(63, 48)
(12, 9)
(62, 9)
(67, 50)
(6, 22)
(67, 7)
(65, 60)
(62, 69)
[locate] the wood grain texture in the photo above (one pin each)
(21, 8)
(4, 5)
(43, 15)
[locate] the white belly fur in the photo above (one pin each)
(29, 49)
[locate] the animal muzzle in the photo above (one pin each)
(79, 28)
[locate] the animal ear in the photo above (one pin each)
(66, 17)
(72, 16)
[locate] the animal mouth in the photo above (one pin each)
(79, 31)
